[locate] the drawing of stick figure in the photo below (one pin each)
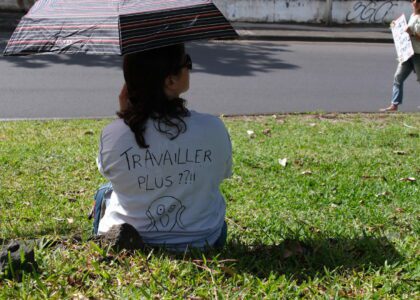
(164, 213)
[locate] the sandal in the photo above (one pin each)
(390, 108)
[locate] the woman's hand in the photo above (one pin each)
(392, 24)
(123, 98)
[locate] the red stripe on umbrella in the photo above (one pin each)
(64, 41)
(26, 28)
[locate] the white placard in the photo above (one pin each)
(402, 39)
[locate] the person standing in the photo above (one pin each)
(404, 69)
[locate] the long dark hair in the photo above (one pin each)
(145, 74)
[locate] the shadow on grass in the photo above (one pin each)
(56, 233)
(310, 258)
(298, 260)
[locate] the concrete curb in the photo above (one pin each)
(313, 39)
(313, 33)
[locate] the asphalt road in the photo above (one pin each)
(228, 78)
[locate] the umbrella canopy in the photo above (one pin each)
(115, 26)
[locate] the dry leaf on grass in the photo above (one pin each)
(251, 133)
(267, 131)
(409, 126)
(79, 296)
(408, 179)
(279, 119)
(299, 162)
(283, 162)
(374, 177)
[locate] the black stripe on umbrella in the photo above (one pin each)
(142, 32)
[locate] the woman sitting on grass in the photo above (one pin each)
(164, 162)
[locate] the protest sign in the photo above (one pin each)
(402, 39)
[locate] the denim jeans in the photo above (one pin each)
(100, 205)
(403, 70)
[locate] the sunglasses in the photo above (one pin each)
(187, 63)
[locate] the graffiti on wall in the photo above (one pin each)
(294, 3)
(370, 11)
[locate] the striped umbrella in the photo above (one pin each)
(115, 26)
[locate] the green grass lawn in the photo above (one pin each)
(340, 220)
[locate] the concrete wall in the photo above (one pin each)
(273, 10)
(300, 11)
(314, 11)
(369, 12)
